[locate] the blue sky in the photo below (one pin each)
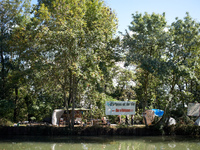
(172, 8)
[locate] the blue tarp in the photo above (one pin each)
(158, 112)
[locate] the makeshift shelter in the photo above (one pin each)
(149, 116)
(57, 114)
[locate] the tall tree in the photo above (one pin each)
(10, 17)
(75, 35)
(146, 43)
(9, 9)
(183, 54)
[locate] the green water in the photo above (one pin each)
(99, 143)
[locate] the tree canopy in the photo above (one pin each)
(65, 54)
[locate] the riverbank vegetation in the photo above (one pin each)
(67, 54)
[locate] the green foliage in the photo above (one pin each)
(6, 109)
(74, 39)
(138, 118)
(5, 122)
(146, 44)
(98, 105)
(166, 60)
(63, 53)
(11, 77)
(121, 126)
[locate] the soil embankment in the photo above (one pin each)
(98, 130)
(82, 131)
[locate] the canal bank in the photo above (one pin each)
(82, 131)
(99, 130)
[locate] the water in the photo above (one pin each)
(100, 143)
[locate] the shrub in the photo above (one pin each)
(5, 122)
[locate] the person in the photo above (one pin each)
(103, 119)
(127, 119)
(119, 119)
(132, 119)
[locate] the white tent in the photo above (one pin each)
(57, 113)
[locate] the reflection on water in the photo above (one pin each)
(99, 143)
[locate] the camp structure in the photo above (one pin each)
(149, 116)
(59, 116)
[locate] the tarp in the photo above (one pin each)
(158, 112)
(172, 121)
(193, 109)
(197, 122)
(57, 113)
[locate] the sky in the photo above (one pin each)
(172, 8)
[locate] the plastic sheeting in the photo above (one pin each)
(172, 121)
(197, 122)
(158, 112)
(57, 113)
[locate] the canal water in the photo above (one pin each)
(100, 143)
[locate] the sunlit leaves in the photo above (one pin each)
(74, 38)
(146, 43)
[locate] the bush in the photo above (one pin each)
(113, 119)
(138, 119)
(5, 122)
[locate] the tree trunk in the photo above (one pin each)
(66, 106)
(3, 68)
(145, 91)
(26, 98)
(15, 109)
(70, 90)
(132, 119)
(73, 100)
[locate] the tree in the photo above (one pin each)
(182, 54)
(9, 10)
(75, 35)
(145, 44)
(10, 15)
